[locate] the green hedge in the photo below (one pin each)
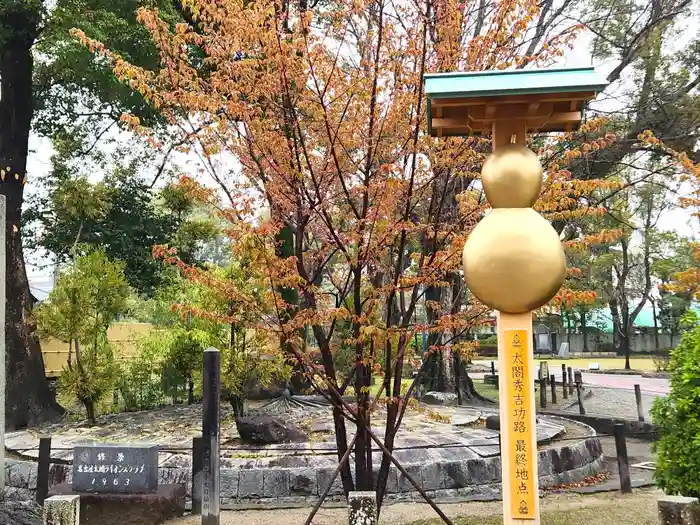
(678, 417)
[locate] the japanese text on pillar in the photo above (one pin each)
(523, 486)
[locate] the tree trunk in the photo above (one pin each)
(29, 399)
(584, 330)
(656, 325)
(363, 468)
(90, 409)
(434, 377)
(617, 326)
(627, 349)
(466, 391)
(190, 390)
(626, 333)
(238, 405)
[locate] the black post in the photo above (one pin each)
(563, 381)
(581, 410)
(211, 390)
(623, 464)
(543, 392)
(553, 383)
(571, 380)
(493, 369)
(43, 466)
(640, 409)
(197, 464)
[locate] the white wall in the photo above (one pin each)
(640, 343)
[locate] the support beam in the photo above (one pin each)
(503, 134)
(579, 97)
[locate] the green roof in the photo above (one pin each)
(513, 82)
(645, 319)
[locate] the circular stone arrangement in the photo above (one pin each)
(450, 455)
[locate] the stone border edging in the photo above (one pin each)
(475, 478)
(606, 425)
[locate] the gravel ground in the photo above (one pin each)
(641, 505)
(614, 402)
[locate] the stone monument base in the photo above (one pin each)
(128, 509)
(491, 379)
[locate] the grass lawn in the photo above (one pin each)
(609, 511)
(606, 363)
(405, 385)
(638, 508)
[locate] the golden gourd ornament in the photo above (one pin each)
(513, 260)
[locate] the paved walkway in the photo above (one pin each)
(613, 394)
(651, 385)
(617, 403)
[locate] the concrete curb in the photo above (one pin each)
(606, 425)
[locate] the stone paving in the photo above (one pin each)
(455, 452)
(173, 428)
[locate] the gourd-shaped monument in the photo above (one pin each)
(513, 260)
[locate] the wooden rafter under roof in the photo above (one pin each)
(547, 100)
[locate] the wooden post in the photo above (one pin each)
(493, 369)
(581, 410)
(211, 390)
(623, 464)
(197, 464)
(564, 389)
(553, 383)
(640, 408)
(3, 222)
(543, 392)
(61, 510)
(571, 380)
(43, 467)
(516, 366)
(362, 507)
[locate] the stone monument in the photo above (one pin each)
(118, 485)
(115, 468)
(543, 339)
(564, 350)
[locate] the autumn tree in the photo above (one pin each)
(326, 114)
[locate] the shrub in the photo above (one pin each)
(92, 378)
(491, 340)
(86, 300)
(140, 383)
(661, 360)
(678, 417)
